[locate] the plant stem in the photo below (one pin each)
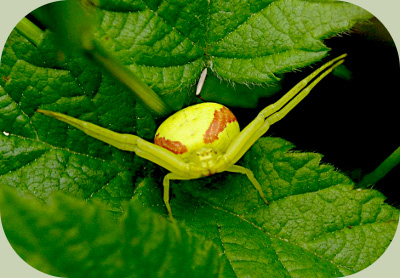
(102, 57)
(30, 31)
(381, 171)
(82, 41)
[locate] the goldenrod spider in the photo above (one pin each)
(203, 139)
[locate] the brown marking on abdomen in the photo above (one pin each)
(222, 118)
(174, 146)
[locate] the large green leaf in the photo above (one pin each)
(71, 238)
(169, 43)
(316, 225)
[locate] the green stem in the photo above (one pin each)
(102, 57)
(381, 171)
(30, 31)
(83, 42)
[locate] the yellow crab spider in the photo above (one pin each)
(203, 139)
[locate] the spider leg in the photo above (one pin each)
(269, 110)
(167, 178)
(180, 170)
(250, 176)
(278, 115)
(275, 112)
(128, 142)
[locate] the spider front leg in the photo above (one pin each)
(275, 112)
(250, 176)
(180, 170)
(270, 115)
(166, 183)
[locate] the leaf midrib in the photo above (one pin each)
(207, 56)
(276, 237)
(52, 148)
(297, 244)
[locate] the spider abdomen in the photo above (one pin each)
(198, 128)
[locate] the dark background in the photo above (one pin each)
(353, 123)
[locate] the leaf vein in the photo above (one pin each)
(172, 27)
(276, 236)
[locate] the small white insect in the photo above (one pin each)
(201, 82)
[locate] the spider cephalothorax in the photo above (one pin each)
(203, 139)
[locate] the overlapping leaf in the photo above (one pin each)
(316, 225)
(72, 238)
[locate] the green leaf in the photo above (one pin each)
(316, 225)
(279, 38)
(158, 41)
(238, 95)
(40, 155)
(71, 238)
(168, 44)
